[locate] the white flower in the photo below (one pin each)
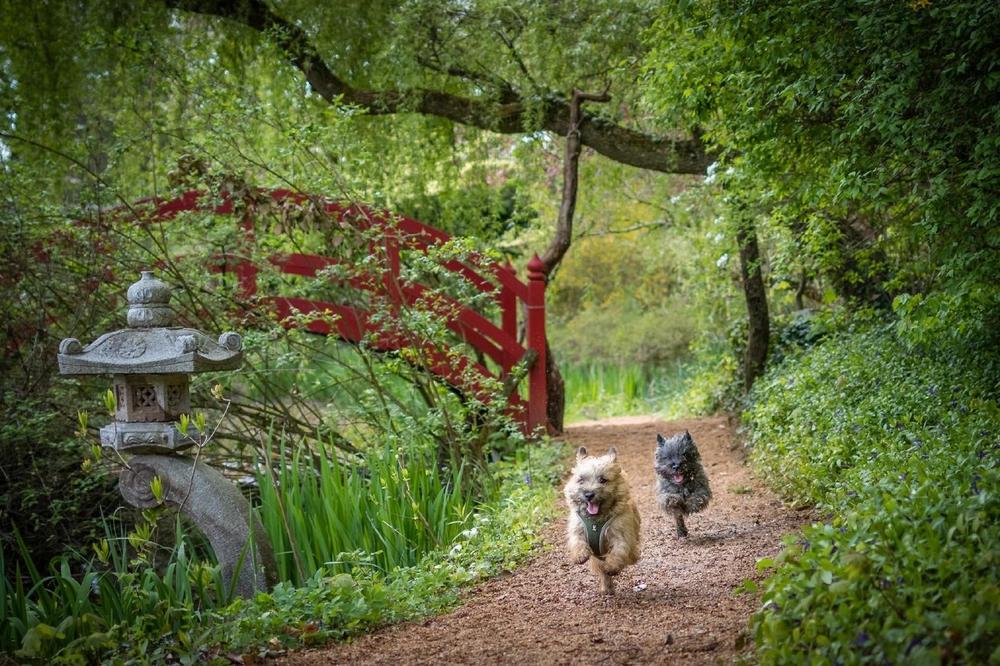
(710, 172)
(721, 261)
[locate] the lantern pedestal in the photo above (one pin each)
(216, 506)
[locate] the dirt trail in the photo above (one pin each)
(677, 605)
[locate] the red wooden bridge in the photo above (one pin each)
(387, 236)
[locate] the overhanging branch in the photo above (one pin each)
(619, 143)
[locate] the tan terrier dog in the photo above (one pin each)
(603, 524)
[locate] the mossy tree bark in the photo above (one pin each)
(759, 329)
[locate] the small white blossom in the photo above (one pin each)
(710, 172)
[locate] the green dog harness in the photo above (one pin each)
(595, 527)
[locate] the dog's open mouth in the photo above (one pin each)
(593, 508)
(677, 478)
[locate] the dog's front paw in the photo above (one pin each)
(682, 530)
(611, 568)
(578, 554)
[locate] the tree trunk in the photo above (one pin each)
(556, 387)
(556, 392)
(758, 334)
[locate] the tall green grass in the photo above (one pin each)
(595, 390)
(395, 508)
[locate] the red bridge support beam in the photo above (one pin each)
(537, 381)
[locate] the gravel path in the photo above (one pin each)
(677, 605)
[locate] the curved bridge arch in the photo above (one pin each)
(496, 340)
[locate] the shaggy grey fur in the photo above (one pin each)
(682, 486)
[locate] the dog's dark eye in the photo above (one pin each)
(602, 480)
(579, 479)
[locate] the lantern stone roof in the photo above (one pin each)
(150, 345)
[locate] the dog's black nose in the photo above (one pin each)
(589, 495)
(675, 466)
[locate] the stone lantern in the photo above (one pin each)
(151, 362)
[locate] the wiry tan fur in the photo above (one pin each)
(613, 498)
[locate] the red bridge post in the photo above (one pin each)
(246, 270)
(537, 381)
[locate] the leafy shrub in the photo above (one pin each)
(712, 381)
(621, 334)
(65, 617)
(45, 495)
(898, 442)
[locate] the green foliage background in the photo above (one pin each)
(859, 137)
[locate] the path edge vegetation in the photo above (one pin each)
(167, 625)
(889, 428)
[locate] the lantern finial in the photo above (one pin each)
(149, 303)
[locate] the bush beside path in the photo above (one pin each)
(682, 601)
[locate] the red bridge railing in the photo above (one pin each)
(496, 340)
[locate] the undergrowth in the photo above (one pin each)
(120, 611)
(892, 430)
(402, 506)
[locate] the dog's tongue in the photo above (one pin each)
(677, 478)
(593, 509)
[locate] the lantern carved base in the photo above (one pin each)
(147, 437)
(216, 506)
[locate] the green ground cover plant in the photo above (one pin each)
(891, 429)
(119, 610)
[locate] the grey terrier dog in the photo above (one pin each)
(682, 486)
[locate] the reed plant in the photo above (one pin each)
(394, 505)
(598, 390)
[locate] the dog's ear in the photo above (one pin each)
(687, 436)
(659, 440)
(581, 453)
(613, 452)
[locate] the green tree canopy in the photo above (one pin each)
(871, 129)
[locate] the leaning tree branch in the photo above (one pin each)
(619, 143)
(571, 166)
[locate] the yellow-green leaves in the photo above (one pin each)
(156, 487)
(102, 550)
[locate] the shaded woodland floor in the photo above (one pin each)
(679, 604)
